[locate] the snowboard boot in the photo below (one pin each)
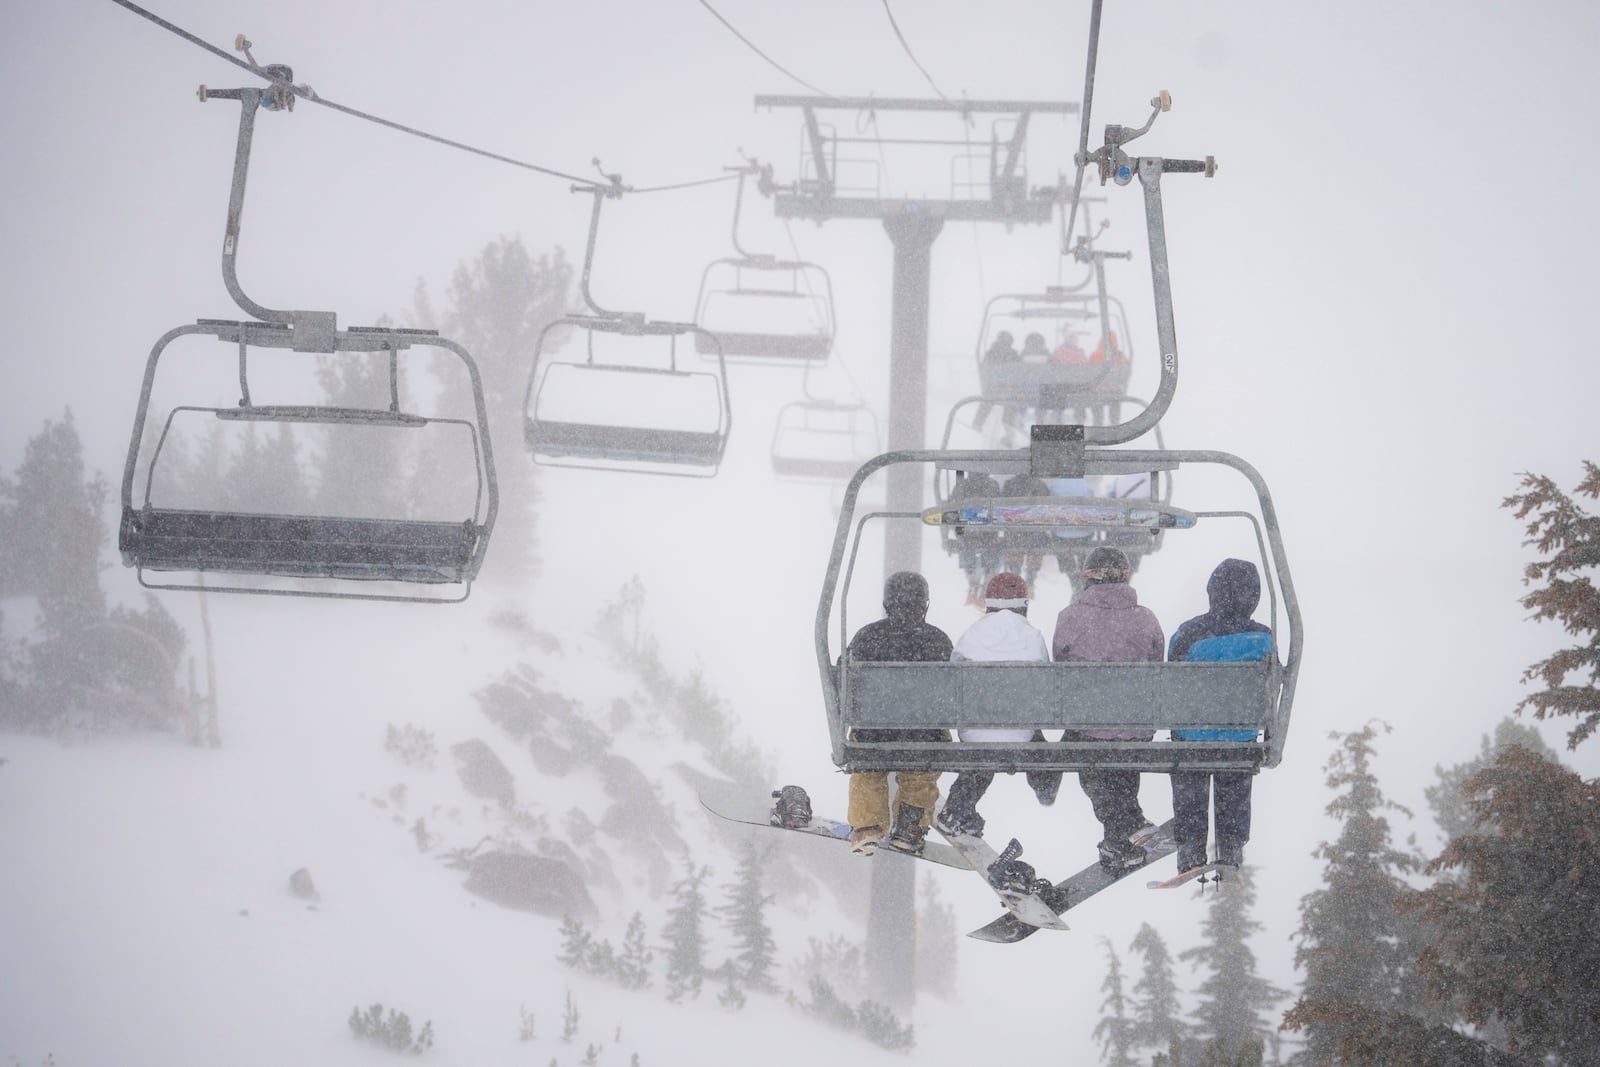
(960, 821)
(1191, 854)
(792, 809)
(1009, 874)
(908, 832)
(1118, 856)
(1230, 854)
(864, 840)
(1144, 833)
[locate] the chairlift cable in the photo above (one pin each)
(1083, 129)
(910, 54)
(779, 67)
(305, 92)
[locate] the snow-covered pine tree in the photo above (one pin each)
(498, 303)
(633, 964)
(1155, 997)
(755, 951)
(576, 943)
(1234, 1001)
(1513, 928)
(1114, 1031)
(1569, 538)
(685, 936)
(1353, 947)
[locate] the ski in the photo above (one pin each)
(1185, 877)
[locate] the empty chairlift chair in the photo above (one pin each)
(219, 495)
(762, 308)
(1174, 701)
(624, 403)
(824, 440)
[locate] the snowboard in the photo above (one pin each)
(1075, 890)
(1012, 881)
(757, 810)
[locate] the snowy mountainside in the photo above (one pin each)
(147, 907)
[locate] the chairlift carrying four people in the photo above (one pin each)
(243, 539)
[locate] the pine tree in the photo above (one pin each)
(1232, 997)
(1514, 930)
(685, 936)
(1114, 1031)
(576, 943)
(1569, 537)
(755, 951)
(1445, 798)
(633, 965)
(499, 302)
(57, 528)
(1353, 944)
(265, 476)
(362, 471)
(1155, 996)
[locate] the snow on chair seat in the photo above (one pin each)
(173, 539)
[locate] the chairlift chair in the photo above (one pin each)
(761, 307)
(823, 439)
(1254, 697)
(298, 553)
(1045, 384)
(609, 413)
(1076, 544)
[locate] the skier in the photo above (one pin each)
(902, 636)
(1225, 633)
(1105, 624)
(1003, 635)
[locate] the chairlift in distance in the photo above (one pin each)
(1253, 697)
(820, 438)
(1039, 380)
(631, 416)
(297, 554)
(763, 308)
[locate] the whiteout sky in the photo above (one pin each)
(1381, 298)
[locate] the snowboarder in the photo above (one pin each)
(1225, 633)
(1106, 624)
(902, 636)
(1003, 635)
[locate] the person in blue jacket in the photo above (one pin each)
(1226, 633)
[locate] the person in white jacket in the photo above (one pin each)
(1003, 635)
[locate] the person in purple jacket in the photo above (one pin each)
(1106, 624)
(1226, 633)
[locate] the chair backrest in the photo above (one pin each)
(1249, 647)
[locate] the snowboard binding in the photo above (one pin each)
(1009, 874)
(792, 809)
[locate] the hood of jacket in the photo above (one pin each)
(1234, 589)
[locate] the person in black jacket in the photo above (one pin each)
(902, 636)
(1225, 633)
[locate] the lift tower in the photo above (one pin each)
(988, 183)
